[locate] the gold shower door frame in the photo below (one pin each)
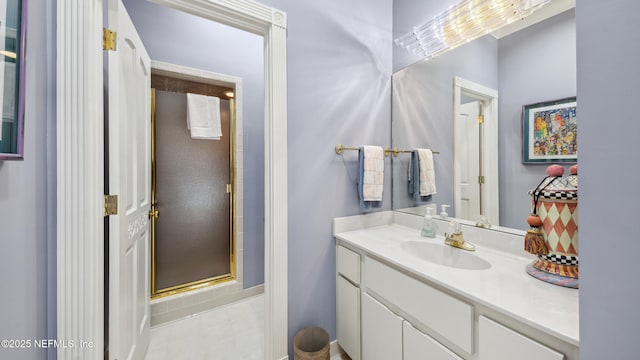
(154, 215)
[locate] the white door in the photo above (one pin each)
(469, 146)
(129, 177)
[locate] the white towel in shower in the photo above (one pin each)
(427, 172)
(203, 117)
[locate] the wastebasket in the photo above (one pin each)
(311, 343)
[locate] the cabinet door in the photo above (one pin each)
(381, 331)
(497, 342)
(348, 317)
(419, 346)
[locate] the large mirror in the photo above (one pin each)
(12, 25)
(437, 101)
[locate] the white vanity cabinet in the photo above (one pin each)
(393, 304)
(381, 311)
(348, 301)
(497, 342)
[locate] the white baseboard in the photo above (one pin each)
(336, 352)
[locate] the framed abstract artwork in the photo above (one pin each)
(550, 132)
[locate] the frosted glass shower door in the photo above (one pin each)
(193, 231)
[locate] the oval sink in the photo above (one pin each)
(445, 255)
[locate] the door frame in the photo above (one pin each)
(489, 98)
(80, 166)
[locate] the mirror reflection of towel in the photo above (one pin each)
(421, 174)
(203, 117)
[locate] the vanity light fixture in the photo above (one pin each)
(464, 22)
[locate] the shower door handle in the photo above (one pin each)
(154, 213)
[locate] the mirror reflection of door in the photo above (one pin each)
(468, 143)
(475, 153)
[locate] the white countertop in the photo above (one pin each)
(505, 287)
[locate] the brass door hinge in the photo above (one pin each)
(110, 205)
(229, 189)
(480, 179)
(108, 39)
(480, 119)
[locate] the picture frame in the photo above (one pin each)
(13, 25)
(549, 132)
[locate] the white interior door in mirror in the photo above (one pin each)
(129, 177)
(483, 151)
(469, 145)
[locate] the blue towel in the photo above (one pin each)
(413, 179)
(365, 206)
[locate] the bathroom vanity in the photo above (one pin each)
(403, 296)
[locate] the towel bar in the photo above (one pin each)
(387, 151)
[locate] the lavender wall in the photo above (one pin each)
(339, 84)
(179, 38)
(608, 46)
(27, 203)
(535, 64)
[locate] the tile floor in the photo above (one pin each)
(230, 332)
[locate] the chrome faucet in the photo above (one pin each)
(456, 239)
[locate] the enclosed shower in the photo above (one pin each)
(193, 188)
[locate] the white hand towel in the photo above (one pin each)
(373, 173)
(427, 172)
(203, 117)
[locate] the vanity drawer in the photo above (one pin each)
(497, 342)
(444, 314)
(348, 264)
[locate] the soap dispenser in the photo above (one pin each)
(428, 225)
(443, 213)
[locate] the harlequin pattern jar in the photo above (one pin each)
(557, 207)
